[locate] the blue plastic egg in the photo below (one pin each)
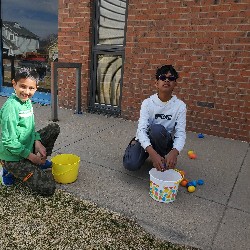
(200, 182)
(194, 183)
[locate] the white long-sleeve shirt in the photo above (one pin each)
(172, 115)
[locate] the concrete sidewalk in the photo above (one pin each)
(215, 216)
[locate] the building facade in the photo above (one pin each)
(17, 40)
(121, 43)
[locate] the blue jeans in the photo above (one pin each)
(135, 155)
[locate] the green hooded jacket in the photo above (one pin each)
(17, 129)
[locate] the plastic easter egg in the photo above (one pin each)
(192, 156)
(191, 189)
(200, 135)
(190, 152)
(200, 182)
(189, 184)
(194, 183)
(184, 183)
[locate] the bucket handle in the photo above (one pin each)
(53, 172)
(178, 182)
(182, 177)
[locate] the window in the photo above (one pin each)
(29, 40)
(108, 55)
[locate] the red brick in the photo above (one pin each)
(208, 44)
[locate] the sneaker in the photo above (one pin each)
(7, 179)
(46, 165)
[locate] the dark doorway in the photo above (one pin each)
(109, 29)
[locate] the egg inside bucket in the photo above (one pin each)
(65, 168)
(164, 185)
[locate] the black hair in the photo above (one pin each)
(164, 70)
(25, 73)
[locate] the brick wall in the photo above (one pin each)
(74, 28)
(207, 41)
(209, 44)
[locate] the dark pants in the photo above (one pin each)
(135, 154)
(37, 180)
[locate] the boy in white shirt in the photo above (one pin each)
(161, 131)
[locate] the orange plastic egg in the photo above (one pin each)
(192, 156)
(184, 183)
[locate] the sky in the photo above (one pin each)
(38, 16)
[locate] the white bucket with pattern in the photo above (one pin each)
(164, 185)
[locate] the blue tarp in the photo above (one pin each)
(39, 97)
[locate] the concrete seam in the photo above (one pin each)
(99, 131)
(226, 206)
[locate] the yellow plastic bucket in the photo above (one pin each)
(65, 168)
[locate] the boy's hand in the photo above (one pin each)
(42, 158)
(36, 159)
(39, 148)
(171, 158)
(157, 160)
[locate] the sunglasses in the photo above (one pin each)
(169, 78)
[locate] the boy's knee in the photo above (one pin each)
(131, 166)
(134, 156)
(130, 159)
(42, 183)
(54, 127)
(48, 189)
(157, 129)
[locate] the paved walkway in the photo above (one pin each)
(216, 216)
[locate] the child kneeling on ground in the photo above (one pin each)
(161, 131)
(23, 152)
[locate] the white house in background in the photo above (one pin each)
(18, 40)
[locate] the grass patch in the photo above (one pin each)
(63, 221)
